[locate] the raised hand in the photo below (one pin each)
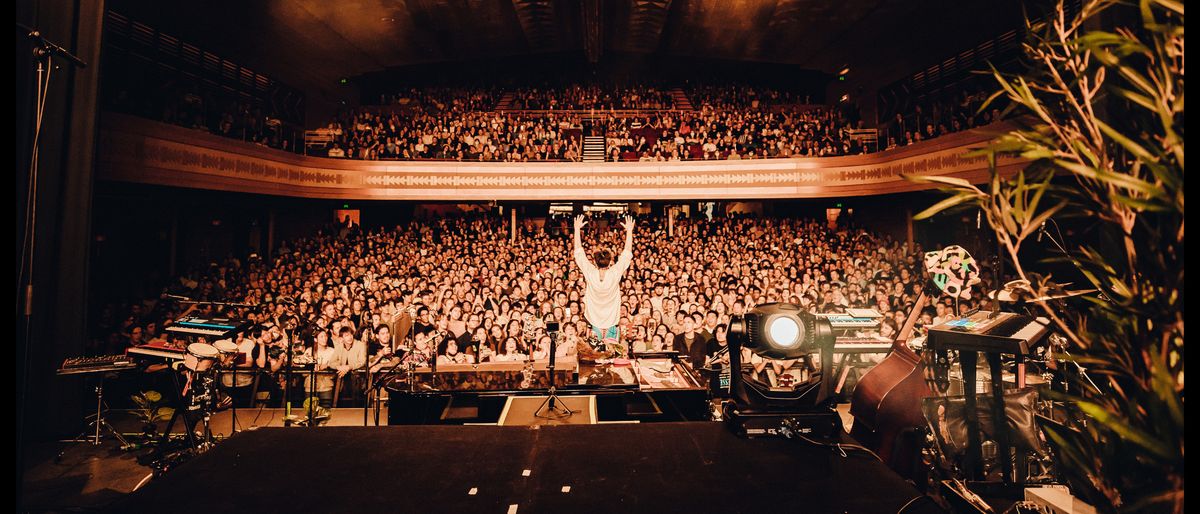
(628, 223)
(580, 222)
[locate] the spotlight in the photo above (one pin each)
(781, 331)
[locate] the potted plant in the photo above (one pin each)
(1099, 112)
(150, 411)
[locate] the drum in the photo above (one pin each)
(200, 357)
(983, 381)
(1031, 380)
(228, 351)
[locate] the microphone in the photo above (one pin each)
(1041, 232)
(978, 219)
(167, 296)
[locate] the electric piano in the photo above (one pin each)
(160, 349)
(211, 328)
(99, 364)
(862, 344)
(991, 332)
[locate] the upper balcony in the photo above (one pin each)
(142, 151)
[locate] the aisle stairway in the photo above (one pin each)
(593, 149)
(505, 102)
(682, 102)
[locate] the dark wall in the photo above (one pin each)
(144, 236)
(56, 327)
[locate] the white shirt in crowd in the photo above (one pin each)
(602, 298)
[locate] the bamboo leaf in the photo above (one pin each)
(938, 179)
(1126, 143)
(1041, 218)
(1127, 432)
(1136, 79)
(943, 205)
(1171, 5)
(1116, 179)
(1136, 98)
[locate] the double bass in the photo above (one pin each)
(887, 399)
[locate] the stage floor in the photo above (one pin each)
(659, 468)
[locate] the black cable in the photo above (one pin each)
(841, 447)
(910, 502)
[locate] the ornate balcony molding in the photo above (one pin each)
(147, 152)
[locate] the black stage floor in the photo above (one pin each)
(660, 468)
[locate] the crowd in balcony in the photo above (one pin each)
(930, 118)
(592, 97)
(460, 125)
(208, 111)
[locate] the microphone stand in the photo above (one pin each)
(291, 327)
(557, 409)
(385, 376)
(287, 384)
(312, 384)
(44, 52)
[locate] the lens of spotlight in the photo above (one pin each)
(784, 332)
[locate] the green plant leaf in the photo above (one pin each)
(1171, 5)
(953, 201)
(1137, 150)
(1127, 432)
(938, 179)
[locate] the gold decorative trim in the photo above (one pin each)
(142, 151)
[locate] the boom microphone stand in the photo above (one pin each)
(555, 408)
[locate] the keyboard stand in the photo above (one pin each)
(93, 432)
(974, 454)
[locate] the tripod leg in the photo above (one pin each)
(112, 430)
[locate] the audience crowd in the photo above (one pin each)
(223, 115)
(455, 135)
(589, 97)
(739, 134)
(453, 124)
(445, 99)
(741, 96)
(927, 120)
(459, 291)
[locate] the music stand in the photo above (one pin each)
(555, 408)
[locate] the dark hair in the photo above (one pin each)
(603, 258)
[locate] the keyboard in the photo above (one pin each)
(217, 328)
(866, 344)
(158, 350)
(986, 331)
(98, 364)
(846, 321)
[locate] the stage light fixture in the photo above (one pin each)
(784, 332)
(781, 332)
